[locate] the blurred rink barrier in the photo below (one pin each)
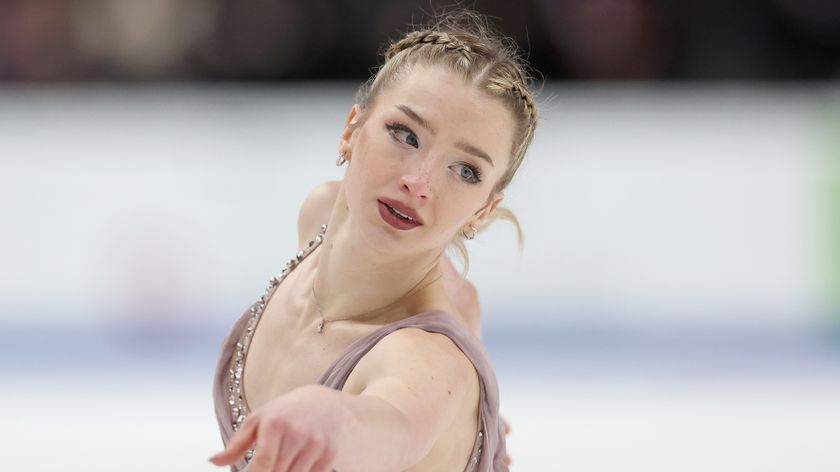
(676, 306)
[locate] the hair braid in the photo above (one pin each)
(463, 42)
(528, 101)
(518, 88)
(422, 38)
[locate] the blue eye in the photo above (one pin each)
(403, 134)
(469, 174)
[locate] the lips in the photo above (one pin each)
(402, 208)
(398, 215)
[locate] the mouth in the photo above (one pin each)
(396, 218)
(401, 215)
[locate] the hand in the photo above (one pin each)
(508, 459)
(295, 432)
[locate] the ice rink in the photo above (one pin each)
(675, 308)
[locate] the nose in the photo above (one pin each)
(417, 182)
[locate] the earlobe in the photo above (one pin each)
(483, 214)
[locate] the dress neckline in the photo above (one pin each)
(237, 399)
(373, 334)
(237, 402)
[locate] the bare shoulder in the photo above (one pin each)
(426, 379)
(429, 366)
(316, 209)
(415, 345)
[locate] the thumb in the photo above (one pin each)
(238, 444)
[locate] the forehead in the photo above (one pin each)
(454, 108)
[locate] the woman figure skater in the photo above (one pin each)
(363, 353)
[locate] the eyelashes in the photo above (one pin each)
(404, 135)
(469, 173)
(396, 130)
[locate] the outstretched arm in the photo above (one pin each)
(413, 383)
(461, 292)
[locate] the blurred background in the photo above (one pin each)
(676, 306)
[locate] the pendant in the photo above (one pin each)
(321, 326)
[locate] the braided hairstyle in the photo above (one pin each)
(463, 42)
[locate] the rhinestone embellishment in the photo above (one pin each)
(238, 409)
(473, 463)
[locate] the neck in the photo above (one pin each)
(358, 280)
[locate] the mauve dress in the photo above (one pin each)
(489, 449)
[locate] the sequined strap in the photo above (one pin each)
(237, 400)
(476, 455)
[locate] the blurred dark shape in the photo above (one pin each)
(818, 20)
(257, 39)
(610, 39)
(812, 30)
(265, 40)
(729, 40)
(35, 41)
(246, 40)
(147, 39)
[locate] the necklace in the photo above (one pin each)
(324, 321)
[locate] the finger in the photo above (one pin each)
(506, 425)
(265, 459)
(238, 444)
(325, 461)
(270, 449)
(306, 457)
(508, 459)
(289, 449)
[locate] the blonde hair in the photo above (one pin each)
(463, 42)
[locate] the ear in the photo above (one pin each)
(488, 210)
(349, 127)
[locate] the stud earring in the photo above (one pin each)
(469, 235)
(341, 160)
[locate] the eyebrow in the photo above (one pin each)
(464, 146)
(414, 116)
(467, 147)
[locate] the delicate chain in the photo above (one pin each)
(236, 399)
(324, 321)
(236, 394)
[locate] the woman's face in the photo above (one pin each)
(431, 149)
